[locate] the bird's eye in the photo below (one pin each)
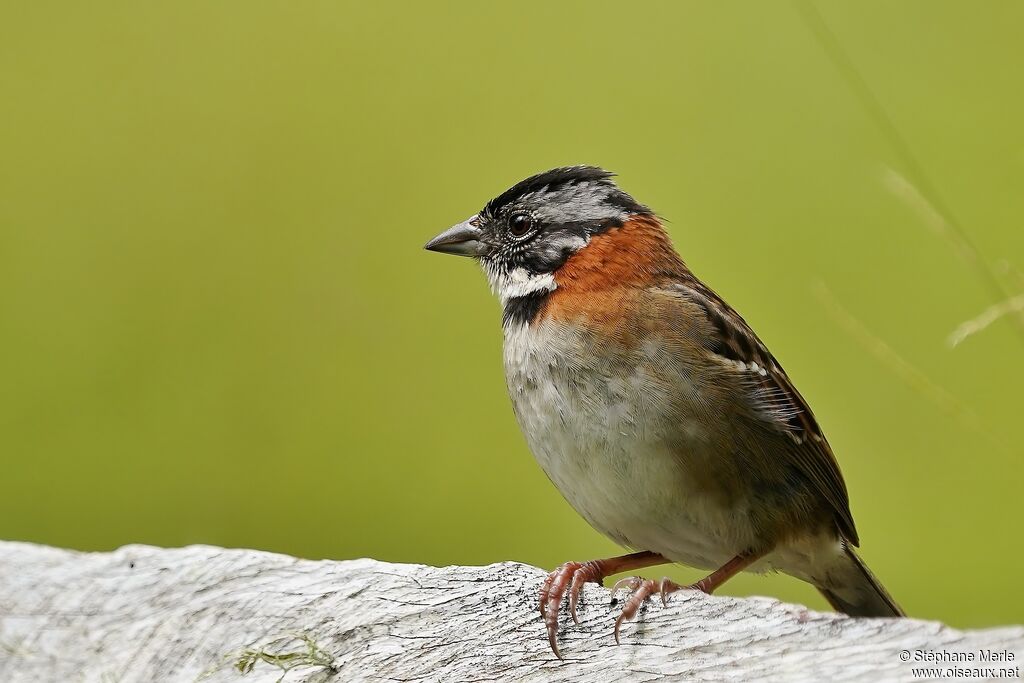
(520, 224)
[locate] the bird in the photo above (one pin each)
(652, 406)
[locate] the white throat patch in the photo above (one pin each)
(517, 282)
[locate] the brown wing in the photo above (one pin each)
(778, 402)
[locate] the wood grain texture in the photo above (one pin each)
(150, 614)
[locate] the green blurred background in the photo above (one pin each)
(217, 324)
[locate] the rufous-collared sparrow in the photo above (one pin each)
(651, 405)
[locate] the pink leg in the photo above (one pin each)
(642, 589)
(578, 573)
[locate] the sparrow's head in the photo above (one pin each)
(526, 234)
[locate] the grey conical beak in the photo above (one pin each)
(462, 239)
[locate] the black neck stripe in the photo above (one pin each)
(521, 310)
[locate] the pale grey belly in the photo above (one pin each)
(617, 444)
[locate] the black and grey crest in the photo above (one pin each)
(538, 223)
(585, 184)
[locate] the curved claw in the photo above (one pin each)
(573, 575)
(644, 589)
(588, 572)
(664, 589)
(641, 590)
(574, 594)
(551, 594)
(618, 625)
(553, 639)
(631, 583)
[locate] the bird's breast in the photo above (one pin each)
(567, 382)
(616, 430)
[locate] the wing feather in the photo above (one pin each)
(775, 400)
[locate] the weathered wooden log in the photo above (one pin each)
(203, 613)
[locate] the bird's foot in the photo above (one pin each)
(570, 578)
(640, 590)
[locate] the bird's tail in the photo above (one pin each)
(859, 593)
